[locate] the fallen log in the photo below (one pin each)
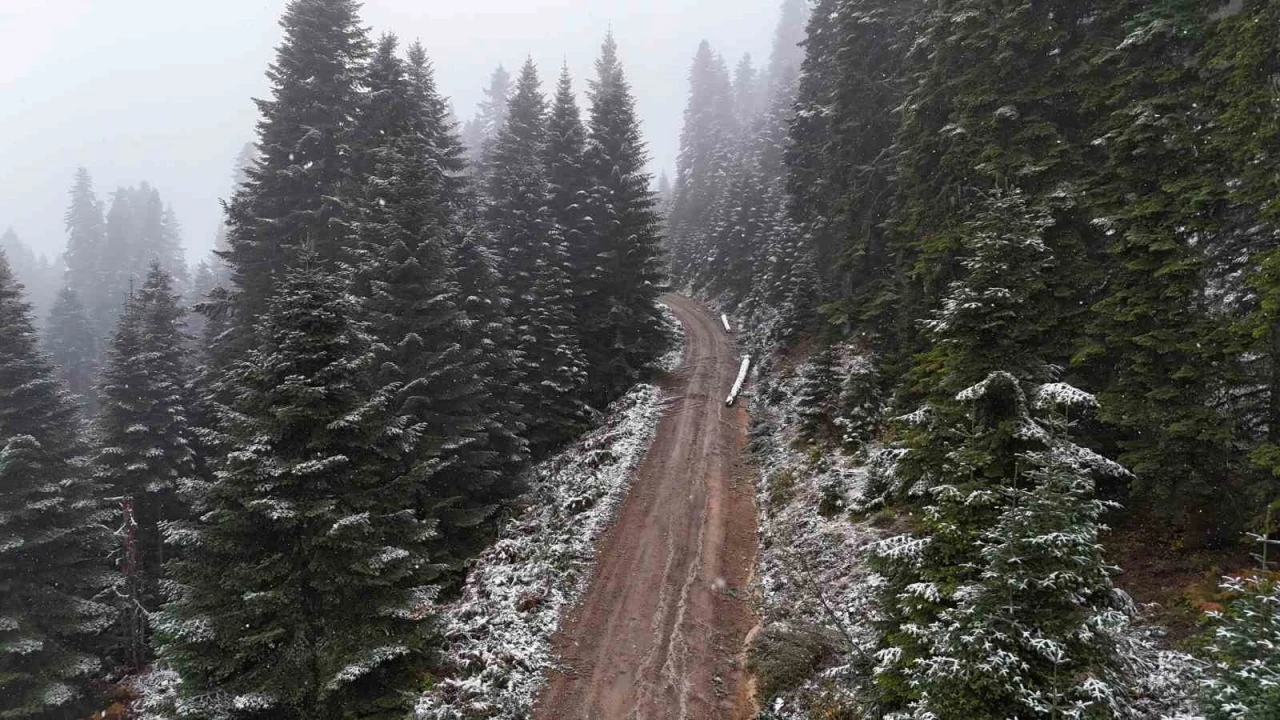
(737, 384)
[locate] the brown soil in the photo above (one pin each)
(660, 631)
(1181, 581)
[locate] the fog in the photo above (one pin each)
(161, 91)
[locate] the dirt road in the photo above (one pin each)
(659, 633)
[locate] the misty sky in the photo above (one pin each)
(159, 90)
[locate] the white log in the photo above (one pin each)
(725, 319)
(737, 385)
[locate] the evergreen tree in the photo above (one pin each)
(410, 295)
(1153, 332)
(480, 132)
(788, 45)
(72, 344)
(570, 187)
(448, 154)
(40, 277)
(144, 435)
(534, 270)
(996, 480)
(624, 333)
(53, 534)
(705, 151)
(86, 236)
(295, 196)
(305, 578)
(748, 95)
(817, 399)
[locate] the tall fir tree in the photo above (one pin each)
(982, 611)
(297, 193)
(570, 188)
(145, 444)
(481, 130)
(410, 294)
(706, 144)
(624, 333)
(71, 342)
(86, 235)
(1153, 333)
(304, 578)
(534, 270)
(54, 534)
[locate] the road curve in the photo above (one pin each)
(658, 635)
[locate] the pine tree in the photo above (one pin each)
(995, 480)
(86, 235)
(1153, 332)
(1242, 681)
(481, 130)
(818, 398)
(490, 334)
(748, 95)
(304, 578)
(524, 234)
(448, 154)
(53, 534)
(788, 46)
(41, 278)
(570, 187)
(410, 295)
(706, 144)
(624, 333)
(72, 344)
(295, 195)
(145, 439)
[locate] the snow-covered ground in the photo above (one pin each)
(817, 591)
(498, 634)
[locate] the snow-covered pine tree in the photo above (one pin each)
(748, 96)
(41, 278)
(86, 235)
(145, 439)
(410, 295)
(625, 334)
(996, 480)
(1244, 98)
(448, 154)
(818, 396)
(1153, 332)
(788, 50)
(489, 331)
(54, 534)
(70, 340)
(1242, 681)
(304, 579)
(706, 145)
(570, 187)
(480, 131)
(841, 157)
(295, 195)
(534, 269)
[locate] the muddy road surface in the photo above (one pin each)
(659, 633)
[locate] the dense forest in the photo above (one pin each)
(1047, 232)
(267, 495)
(1018, 259)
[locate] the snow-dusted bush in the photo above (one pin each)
(1243, 677)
